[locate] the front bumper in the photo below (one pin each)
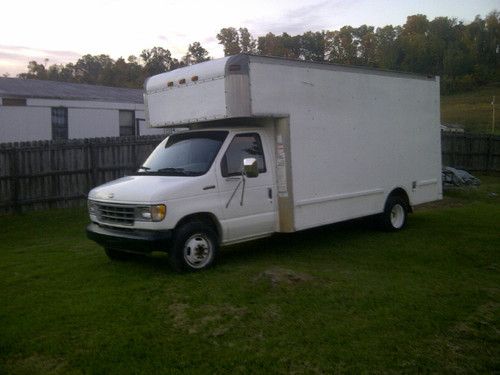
(143, 241)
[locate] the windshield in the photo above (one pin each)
(184, 154)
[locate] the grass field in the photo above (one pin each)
(472, 109)
(339, 299)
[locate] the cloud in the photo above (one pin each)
(8, 56)
(173, 35)
(21, 53)
(15, 59)
(315, 16)
(210, 39)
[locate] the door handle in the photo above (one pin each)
(270, 193)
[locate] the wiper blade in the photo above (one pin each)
(180, 171)
(175, 170)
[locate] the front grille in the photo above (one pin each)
(115, 214)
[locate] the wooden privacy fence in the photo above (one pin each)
(43, 174)
(473, 152)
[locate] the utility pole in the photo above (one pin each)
(493, 116)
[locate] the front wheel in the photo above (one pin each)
(194, 247)
(395, 214)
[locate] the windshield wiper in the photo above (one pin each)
(174, 170)
(179, 171)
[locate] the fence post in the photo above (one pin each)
(469, 158)
(452, 149)
(134, 150)
(14, 178)
(489, 155)
(88, 164)
(93, 164)
(53, 178)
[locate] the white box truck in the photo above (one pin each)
(273, 145)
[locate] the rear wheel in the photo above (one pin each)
(194, 247)
(395, 214)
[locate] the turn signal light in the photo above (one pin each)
(158, 212)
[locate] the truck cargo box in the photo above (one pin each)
(344, 137)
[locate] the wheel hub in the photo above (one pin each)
(197, 250)
(397, 216)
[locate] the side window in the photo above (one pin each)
(242, 146)
(127, 123)
(59, 123)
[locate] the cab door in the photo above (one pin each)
(248, 208)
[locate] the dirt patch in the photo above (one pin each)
(463, 337)
(282, 276)
(208, 320)
(39, 364)
(178, 313)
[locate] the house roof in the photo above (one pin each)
(34, 88)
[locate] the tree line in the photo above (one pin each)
(464, 55)
(103, 70)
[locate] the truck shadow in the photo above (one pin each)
(274, 248)
(306, 241)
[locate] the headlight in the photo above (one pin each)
(143, 213)
(151, 213)
(92, 206)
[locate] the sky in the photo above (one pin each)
(62, 31)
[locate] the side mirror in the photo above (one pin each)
(250, 167)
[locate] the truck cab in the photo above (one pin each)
(194, 182)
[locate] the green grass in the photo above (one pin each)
(345, 299)
(472, 109)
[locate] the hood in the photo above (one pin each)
(150, 189)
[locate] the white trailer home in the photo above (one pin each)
(275, 146)
(32, 110)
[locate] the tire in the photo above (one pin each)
(395, 214)
(194, 248)
(114, 254)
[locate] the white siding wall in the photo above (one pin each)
(25, 124)
(86, 119)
